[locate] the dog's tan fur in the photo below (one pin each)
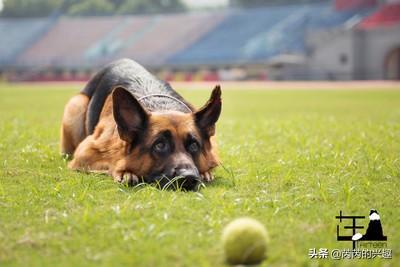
(105, 150)
(73, 129)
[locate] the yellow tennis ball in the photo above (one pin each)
(245, 241)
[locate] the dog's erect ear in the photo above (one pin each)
(130, 116)
(207, 116)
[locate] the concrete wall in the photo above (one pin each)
(371, 48)
(345, 54)
(330, 55)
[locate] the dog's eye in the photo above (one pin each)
(193, 147)
(161, 147)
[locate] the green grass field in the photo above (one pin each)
(291, 159)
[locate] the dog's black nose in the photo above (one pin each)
(189, 178)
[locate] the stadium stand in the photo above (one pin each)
(64, 44)
(225, 42)
(121, 36)
(108, 44)
(257, 34)
(17, 35)
(88, 41)
(167, 35)
(193, 45)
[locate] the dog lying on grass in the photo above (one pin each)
(137, 128)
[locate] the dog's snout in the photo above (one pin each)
(190, 177)
(187, 173)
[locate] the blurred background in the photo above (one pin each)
(202, 40)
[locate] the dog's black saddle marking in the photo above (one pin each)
(138, 81)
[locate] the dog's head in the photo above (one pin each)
(163, 146)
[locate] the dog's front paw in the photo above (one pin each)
(125, 177)
(207, 177)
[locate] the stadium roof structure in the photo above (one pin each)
(386, 16)
(231, 36)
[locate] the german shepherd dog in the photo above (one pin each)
(136, 128)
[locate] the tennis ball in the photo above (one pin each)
(244, 241)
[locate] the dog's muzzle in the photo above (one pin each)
(190, 179)
(184, 178)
